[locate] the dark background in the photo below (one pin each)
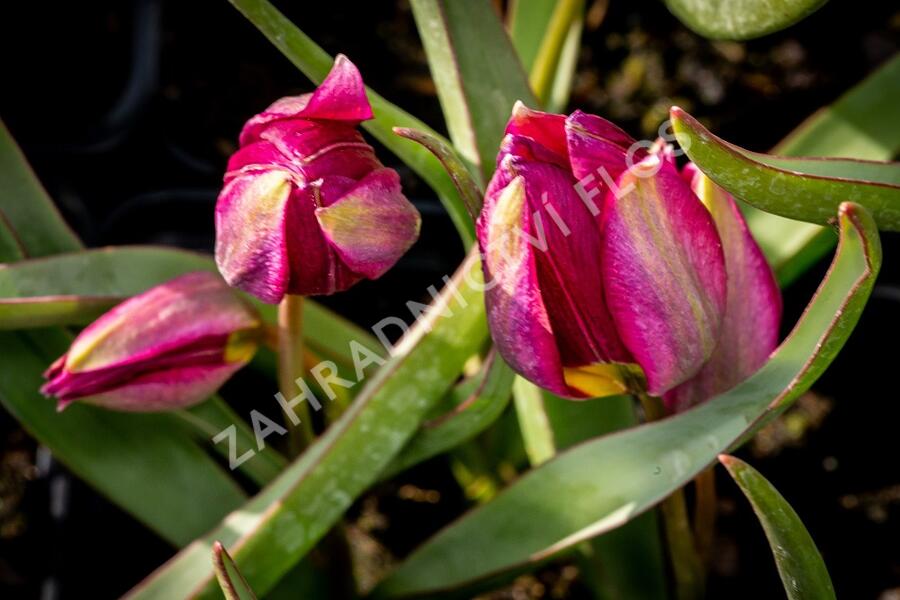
(128, 111)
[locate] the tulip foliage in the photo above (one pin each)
(608, 281)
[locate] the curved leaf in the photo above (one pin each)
(863, 123)
(274, 530)
(805, 189)
(608, 481)
(799, 563)
(741, 19)
(476, 412)
(315, 63)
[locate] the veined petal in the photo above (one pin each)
(597, 146)
(250, 233)
(340, 97)
(163, 390)
(753, 309)
(663, 273)
(547, 129)
(177, 315)
(515, 309)
(372, 225)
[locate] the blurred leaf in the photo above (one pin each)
(528, 20)
(213, 416)
(806, 189)
(276, 528)
(233, 584)
(11, 248)
(477, 74)
(143, 463)
(741, 19)
(626, 562)
(544, 72)
(533, 421)
(315, 63)
(561, 89)
(26, 207)
(799, 563)
(864, 124)
(479, 409)
(73, 289)
(608, 481)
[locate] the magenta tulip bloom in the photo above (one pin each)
(601, 275)
(307, 208)
(170, 347)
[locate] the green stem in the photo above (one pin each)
(544, 70)
(291, 367)
(687, 569)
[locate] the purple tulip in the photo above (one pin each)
(605, 279)
(307, 208)
(170, 347)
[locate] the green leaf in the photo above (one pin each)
(11, 248)
(543, 73)
(477, 74)
(73, 289)
(476, 411)
(26, 207)
(528, 20)
(805, 189)
(315, 63)
(741, 19)
(799, 563)
(276, 528)
(143, 463)
(534, 424)
(608, 481)
(209, 418)
(862, 124)
(233, 584)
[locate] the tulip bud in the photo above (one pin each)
(170, 347)
(622, 288)
(307, 208)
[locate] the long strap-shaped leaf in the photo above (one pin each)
(864, 123)
(599, 485)
(477, 74)
(73, 289)
(315, 63)
(799, 563)
(741, 19)
(276, 528)
(805, 189)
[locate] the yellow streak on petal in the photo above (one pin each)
(601, 379)
(504, 252)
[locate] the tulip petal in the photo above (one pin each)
(250, 233)
(597, 146)
(547, 129)
(516, 313)
(663, 273)
(753, 310)
(161, 391)
(179, 314)
(372, 225)
(340, 97)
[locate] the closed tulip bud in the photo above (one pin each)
(307, 208)
(608, 274)
(170, 347)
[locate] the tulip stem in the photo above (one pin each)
(687, 569)
(291, 367)
(705, 513)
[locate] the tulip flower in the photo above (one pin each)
(169, 347)
(307, 208)
(631, 285)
